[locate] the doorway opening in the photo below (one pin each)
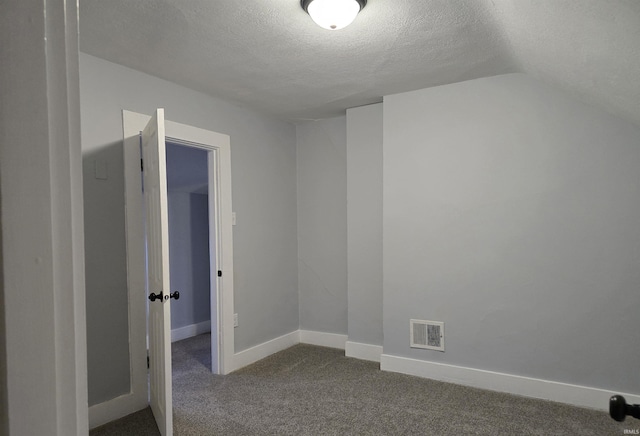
(191, 259)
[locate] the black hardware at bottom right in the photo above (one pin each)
(619, 409)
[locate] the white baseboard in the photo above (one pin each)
(529, 387)
(322, 339)
(362, 351)
(253, 354)
(116, 408)
(190, 331)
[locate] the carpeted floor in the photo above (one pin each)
(308, 390)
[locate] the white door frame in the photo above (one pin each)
(218, 146)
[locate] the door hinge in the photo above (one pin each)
(219, 273)
(147, 361)
(141, 165)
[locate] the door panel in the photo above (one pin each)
(157, 237)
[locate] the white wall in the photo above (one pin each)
(322, 225)
(364, 223)
(263, 158)
(511, 213)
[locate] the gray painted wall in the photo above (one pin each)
(105, 254)
(263, 156)
(511, 213)
(364, 223)
(189, 257)
(322, 225)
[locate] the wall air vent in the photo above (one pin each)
(426, 334)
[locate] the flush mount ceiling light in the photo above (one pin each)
(333, 14)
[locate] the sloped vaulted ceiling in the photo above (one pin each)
(268, 55)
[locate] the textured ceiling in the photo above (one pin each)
(268, 55)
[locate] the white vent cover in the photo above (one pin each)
(427, 334)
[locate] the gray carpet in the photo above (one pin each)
(308, 390)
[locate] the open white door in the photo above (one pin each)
(157, 231)
(219, 149)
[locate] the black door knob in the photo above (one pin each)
(154, 297)
(175, 295)
(619, 409)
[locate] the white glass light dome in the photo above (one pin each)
(333, 14)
